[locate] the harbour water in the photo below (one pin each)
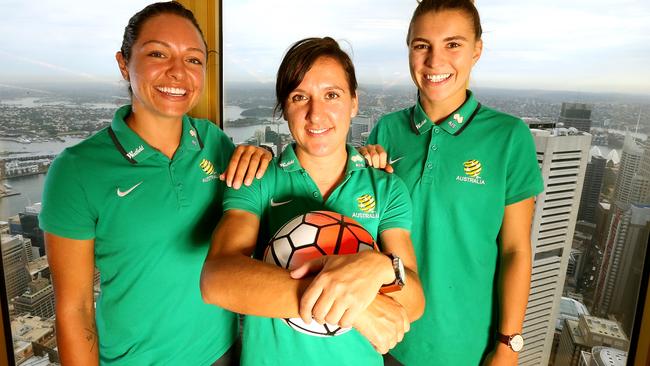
(30, 187)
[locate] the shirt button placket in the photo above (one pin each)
(176, 183)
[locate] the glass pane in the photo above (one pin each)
(558, 66)
(59, 83)
(371, 32)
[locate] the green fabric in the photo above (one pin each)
(461, 174)
(286, 191)
(150, 244)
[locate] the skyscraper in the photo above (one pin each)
(619, 284)
(632, 185)
(14, 257)
(632, 189)
(29, 223)
(563, 161)
(577, 115)
(591, 189)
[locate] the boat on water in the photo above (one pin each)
(5, 190)
(4, 194)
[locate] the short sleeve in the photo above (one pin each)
(398, 211)
(65, 209)
(225, 146)
(249, 198)
(523, 176)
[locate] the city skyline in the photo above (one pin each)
(578, 45)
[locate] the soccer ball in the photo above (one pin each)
(312, 235)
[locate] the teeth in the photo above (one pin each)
(172, 91)
(317, 131)
(437, 78)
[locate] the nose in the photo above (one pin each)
(316, 111)
(434, 57)
(176, 68)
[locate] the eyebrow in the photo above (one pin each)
(169, 46)
(447, 39)
(327, 88)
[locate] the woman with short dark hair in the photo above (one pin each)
(316, 94)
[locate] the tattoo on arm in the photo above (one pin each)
(91, 336)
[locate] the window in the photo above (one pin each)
(59, 83)
(556, 66)
(548, 62)
(370, 31)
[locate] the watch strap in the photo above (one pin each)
(507, 340)
(399, 281)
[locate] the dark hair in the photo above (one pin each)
(467, 6)
(132, 30)
(300, 58)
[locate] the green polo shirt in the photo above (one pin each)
(151, 219)
(285, 191)
(461, 174)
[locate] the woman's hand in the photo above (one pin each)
(376, 157)
(344, 287)
(247, 162)
(383, 323)
(502, 355)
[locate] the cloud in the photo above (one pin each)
(543, 44)
(63, 38)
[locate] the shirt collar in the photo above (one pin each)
(134, 148)
(453, 124)
(288, 160)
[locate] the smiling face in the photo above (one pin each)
(442, 51)
(320, 109)
(167, 67)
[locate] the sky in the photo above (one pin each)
(579, 45)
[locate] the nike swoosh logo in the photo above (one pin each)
(275, 204)
(392, 161)
(122, 194)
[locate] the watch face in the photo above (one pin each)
(517, 342)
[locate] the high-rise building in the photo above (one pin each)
(569, 309)
(586, 333)
(631, 186)
(14, 258)
(578, 267)
(563, 161)
(357, 129)
(576, 115)
(618, 247)
(37, 300)
(30, 227)
(536, 123)
(591, 188)
(274, 138)
(618, 288)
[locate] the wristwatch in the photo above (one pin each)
(400, 276)
(515, 341)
